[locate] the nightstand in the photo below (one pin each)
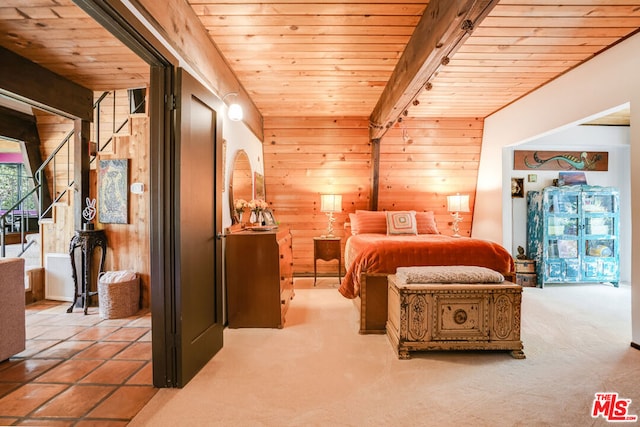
(326, 249)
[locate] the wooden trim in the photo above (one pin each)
(444, 25)
(81, 137)
(375, 174)
(116, 18)
(161, 212)
(31, 83)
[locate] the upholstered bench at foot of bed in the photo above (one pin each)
(451, 316)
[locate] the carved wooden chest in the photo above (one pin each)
(454, 317)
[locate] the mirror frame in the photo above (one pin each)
(234, 216)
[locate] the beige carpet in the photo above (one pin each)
(318, 371)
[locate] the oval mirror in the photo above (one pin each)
(241, 183)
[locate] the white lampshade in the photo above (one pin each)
(330, 202)
(235, 112)
(458, 203)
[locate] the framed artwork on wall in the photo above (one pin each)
(113, 191)
(517, 187)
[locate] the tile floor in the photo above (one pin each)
(77, 370)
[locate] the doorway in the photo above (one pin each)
(186, 280)
(608, 132)
(166, 206)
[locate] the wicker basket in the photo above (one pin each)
(119, 299)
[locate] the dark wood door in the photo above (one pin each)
(198, 202)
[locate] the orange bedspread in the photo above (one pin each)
(378, 253)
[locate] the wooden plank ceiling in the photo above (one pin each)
(334, 58)
(330, 58)
(63, 38)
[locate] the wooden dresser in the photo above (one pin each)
(259, 278)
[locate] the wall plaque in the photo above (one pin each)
(561, 160)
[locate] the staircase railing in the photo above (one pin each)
(52, 163)
(39, 176)
(13, 210)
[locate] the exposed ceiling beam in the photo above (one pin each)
(31, 83)
(444, 26)
(22, 127)
(17, 125)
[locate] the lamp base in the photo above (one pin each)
(454, 224)
(330, 225)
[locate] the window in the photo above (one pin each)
(15, 183)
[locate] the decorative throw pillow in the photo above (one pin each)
(401, 222)
(369, 222)
(353, 222)
(426, 223)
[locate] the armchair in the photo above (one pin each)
(12, 307)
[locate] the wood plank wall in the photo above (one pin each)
(306, 157)
(128, 244)
(421, 162)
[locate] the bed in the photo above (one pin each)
(376, 248)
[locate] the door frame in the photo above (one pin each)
(116, 18)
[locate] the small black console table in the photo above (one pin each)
(87, 241)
